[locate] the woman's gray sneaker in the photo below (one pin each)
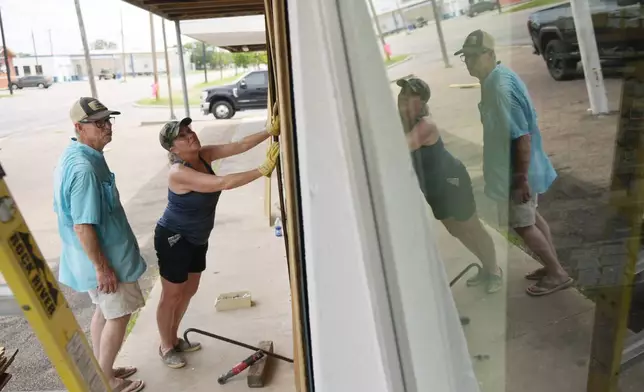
(185, 347)
(172, 359)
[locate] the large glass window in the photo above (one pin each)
(527, 179)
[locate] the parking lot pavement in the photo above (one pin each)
(508, 29)
(40, 110)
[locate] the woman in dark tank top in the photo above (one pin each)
(444, 181)
(182, 232)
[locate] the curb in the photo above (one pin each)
(136, 105)
(465, 86)
(409, 58)
(162, 122)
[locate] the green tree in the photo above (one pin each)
(221, 59)
(195, 49)
(241, 59)
(259, 58)
(100, 44)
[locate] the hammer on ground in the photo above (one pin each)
(240, 367)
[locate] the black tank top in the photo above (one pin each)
(192, 214)
(432, 165)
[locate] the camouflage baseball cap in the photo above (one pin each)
(415, 86)
(170, 131)
(478, 41)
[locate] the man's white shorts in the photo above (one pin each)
(127, 300)
(514, 215)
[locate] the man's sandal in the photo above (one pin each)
(129, 386)
(124, 372)
(537, 274)
(540, 288)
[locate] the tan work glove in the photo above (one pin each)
(271, 160)
(274, 127)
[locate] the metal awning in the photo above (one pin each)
(200, 9)
(234, 34)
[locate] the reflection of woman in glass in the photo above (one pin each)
(445, 182)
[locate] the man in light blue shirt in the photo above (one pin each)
(516, 169)
(100, 254)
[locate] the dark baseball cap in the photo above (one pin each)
(477, 42)
(87, 109)
(170, 131)
(415, 86)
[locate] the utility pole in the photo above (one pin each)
(123, 49)
(6, 55)
(402, 14)
(589, 56)
(439, 29)
(220, 62)
(154, 59)
(182, 65)
(167, 70)
(375, 19)
(33, 41)
(88, 59)
(205, 70)
(51, 44)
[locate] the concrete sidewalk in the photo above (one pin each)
(244, 254)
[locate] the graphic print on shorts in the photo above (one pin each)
(174, 239)
(453, 181)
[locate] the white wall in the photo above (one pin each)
(134, 62)
(56, 66)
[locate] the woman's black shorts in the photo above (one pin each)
(177, 256)
(455, 198)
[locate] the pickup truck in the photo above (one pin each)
(249, 92)
(619, 31)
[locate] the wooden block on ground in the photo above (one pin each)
(234, 300)
(4, 363)
(4, 379)
(1, 351)
(257, 373)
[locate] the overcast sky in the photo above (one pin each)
(102, 21)
(101, 18)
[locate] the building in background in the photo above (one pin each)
(397, 15)
(63, 68)
(4, 68)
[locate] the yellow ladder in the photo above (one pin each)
(42, 302)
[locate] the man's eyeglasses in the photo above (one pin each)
(471, 57)
(101, 123)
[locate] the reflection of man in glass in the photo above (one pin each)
(515, 167)
(445, 182)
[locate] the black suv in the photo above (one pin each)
(248, 92)
(619, 31)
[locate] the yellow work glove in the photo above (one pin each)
(274, 126)
(271, 160)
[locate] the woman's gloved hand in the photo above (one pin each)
(271, 160)
(274, 127)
